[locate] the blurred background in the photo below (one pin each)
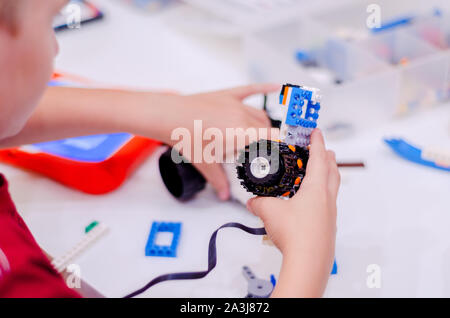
(372, 61)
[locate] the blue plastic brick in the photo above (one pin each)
(411, 153)
(152, 249)
(295, 115)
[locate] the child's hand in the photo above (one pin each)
(222, 109)
(304, 227)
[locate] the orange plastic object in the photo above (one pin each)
(90, 177)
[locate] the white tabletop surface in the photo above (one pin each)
(392, 213)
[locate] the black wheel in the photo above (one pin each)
(272, 169)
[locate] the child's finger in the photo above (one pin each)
(264, 206)
(334, 178)
(259, 116)
(215, 175)
(317, 168)
(248, 90)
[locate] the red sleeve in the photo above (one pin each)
(24, 269)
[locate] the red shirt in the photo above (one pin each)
(24, 269)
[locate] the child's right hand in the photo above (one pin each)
(304, 227)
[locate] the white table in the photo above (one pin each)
(392, 213)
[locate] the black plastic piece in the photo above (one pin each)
(181, 179)
(280, 182)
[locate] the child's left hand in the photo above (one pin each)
(69, 112)
(222, 109)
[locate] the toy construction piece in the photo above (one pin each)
(426, 157)
(153, 249)
(94, 234)
(212, 260)
(272, 169)
(182, 179)
(276, 168)
(257, 288)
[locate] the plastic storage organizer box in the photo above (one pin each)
(366, 76)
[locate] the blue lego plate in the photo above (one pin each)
(411, 153)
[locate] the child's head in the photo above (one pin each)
(27, 49)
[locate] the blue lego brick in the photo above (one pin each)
(411, 153)
(312, 112)
(293, 119)
(299, 93)
(334, 270)
(299, 97)
(152, 249)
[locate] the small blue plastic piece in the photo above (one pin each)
(273, 280)
(298, 98)
(302, 56)
(334, 269)
(393, 24)
(152, 249)
(411, 153)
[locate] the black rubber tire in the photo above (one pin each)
(279, 182)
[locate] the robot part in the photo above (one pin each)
(277, 168)
(298, 136)
(153, 249)
(257, 288)
(426, 157)
(181, 179)
(302, 113)
(90, 237)
(272, 169)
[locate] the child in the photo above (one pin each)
(303, 228)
